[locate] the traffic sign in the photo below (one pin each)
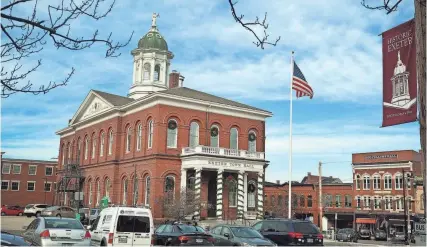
(420, 228)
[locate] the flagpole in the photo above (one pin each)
(290, 139)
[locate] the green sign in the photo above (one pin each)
(104, 202)
(78, 216)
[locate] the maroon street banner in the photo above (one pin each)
(399, 75)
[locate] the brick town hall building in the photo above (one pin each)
(162, 139)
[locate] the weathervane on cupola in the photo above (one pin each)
(151, 63)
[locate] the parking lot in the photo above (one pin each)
(14, 224)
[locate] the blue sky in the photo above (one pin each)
(336, 45)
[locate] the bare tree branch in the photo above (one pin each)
(27, 36)
(260, 41)
(385, 6)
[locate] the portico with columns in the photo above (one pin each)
(227, 184)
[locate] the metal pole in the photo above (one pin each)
(44, 188)
(405, 206)
(134, 185)
(335, 230)
(320, 197)
(290, 139)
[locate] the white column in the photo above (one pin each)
(219, 191)
(197, 188)
(183, 180)
(240, 195)
(245, 193)
(260, 195)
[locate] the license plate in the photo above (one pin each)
(309, 240)
(199, 240)
(123, 240)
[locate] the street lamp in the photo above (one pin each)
(405, 206)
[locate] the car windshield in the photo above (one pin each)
(63, 224)
(29, 206)
(190, 229)
(305, 228)
(245, 232)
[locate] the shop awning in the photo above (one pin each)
(365, 221)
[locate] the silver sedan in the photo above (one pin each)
(50, 231)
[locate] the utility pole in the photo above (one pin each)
(44, 188)
(405, 205)
(320, 197)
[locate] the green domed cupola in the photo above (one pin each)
(153, 39)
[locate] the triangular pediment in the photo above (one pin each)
(92, 105)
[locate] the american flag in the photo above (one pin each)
(299, 84)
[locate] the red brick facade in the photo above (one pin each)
(26, 185)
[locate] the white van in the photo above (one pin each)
(130, 226)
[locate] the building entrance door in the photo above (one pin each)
(212, 197)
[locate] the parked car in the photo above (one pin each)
(177, 234)
(398, 237)
(53, 231)
(231, 235)
(34, 209)
(364, 233)
(9, 239)
(347, 235)
(12, 210)
(380, 235)
(59, 211)
(290, 232)
(94, 213)
(123, 226)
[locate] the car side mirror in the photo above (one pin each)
(227, 235)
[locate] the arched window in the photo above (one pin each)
(214, 136)
(358, 181)
(63, 154)
(294, 200)
(90, 192)
(110, 142)
(128, 138)
(107, 187)
(234, 139)
(251, 193)
(252, 142)
(150, 133)
(93, 146)
(147, 70)
(328, 200)
(377, 181)
(338, 201)
(102, 144)
(169, 189)
(98, 192)
(79, 149)
(135, 189)
(273, 201)
(358, 202)
(366, 182)
(86, 147)
(68, 153)
(387, 181)
(279, 200)
(399, 181)
(302, 201)
(232, 193)
(172, 134)
(309, 201)
(147, 190)
(157, 72)
(194, 134)
(125, 191)
(139, 137)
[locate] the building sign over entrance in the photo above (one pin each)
(229, 164)
(384, 156)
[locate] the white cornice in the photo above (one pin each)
(381, 166)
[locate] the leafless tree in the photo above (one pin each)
(23, 37)
(178, 208)
(386, 5)
(261, 41)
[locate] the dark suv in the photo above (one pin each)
(290, 232)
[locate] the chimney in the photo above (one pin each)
(277, 181)
(174, 79)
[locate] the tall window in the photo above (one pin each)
(328, 201)
(147, 190)
(279, 200)
(98, 192)
(366, 182)
(366, 202)
(399, 204)
(252, 142)
(387, 182)
(399, 181)
(347, 201)
(338, 201)
(93, 146)
(172, 134)
(358, 202)
(251, 194)
(309, 201)
(214, 136)
(232, 193)
(157, 72)
(136, 190)
(139, 137)
(107, 187)
(110, 142)
(377, 203)
(302, 201)
(358, 181)
(147, 69)
(234, 139)
(86, 147)
(128, 139)
(169, 189)
(150, 133)
(79, 149)
(377, 180)
(125, 191)
(101, 144)
(273, 201)
(194, 134)
(63, 154)
(387, 204)
(68, 153)
(90, 193)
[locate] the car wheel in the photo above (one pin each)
(38, 214)
(20, 214)
(3, 213)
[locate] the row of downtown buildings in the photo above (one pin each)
(165, 138)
